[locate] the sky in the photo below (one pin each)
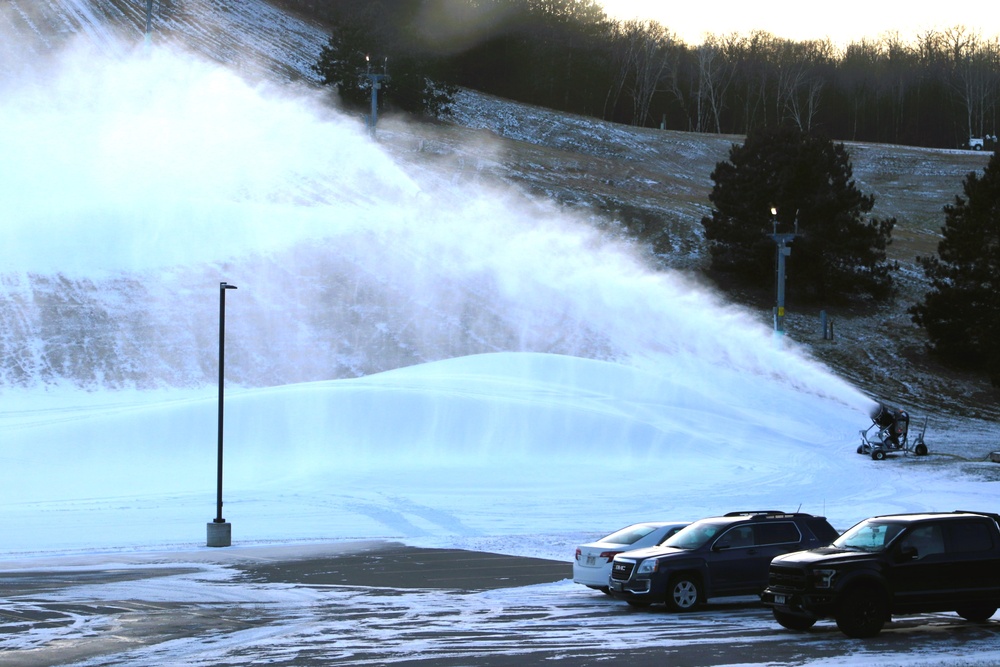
(526, 453)
(842, 23)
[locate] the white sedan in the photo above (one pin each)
(592, 564)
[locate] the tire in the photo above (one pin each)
(920, 450)
(977, 612)
(683, 592)
(793, 622)
(862, 612)
(878, 454)
(861, 449)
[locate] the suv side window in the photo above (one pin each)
(784, 532)
(969, 537)
(822, 529)
(736, 538)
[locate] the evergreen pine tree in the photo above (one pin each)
(809, 182)
(961, 311)
(368, 40)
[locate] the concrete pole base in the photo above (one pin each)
(220, 534)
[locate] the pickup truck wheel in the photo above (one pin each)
(977, 612)
(862, 613)
(683, 593)
(793, 622)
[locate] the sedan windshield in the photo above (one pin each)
(868, 536)
(694, 536)
(630, 535)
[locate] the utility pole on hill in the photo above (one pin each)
(376, 80)
(149, 22)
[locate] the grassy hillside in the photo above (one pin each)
(651, 180)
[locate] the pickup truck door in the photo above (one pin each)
(974, 566)
(949, 562)
(919, 563)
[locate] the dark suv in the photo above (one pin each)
(716, 557)
(897, 564)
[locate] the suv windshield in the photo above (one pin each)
(868, 536)
(695, 535)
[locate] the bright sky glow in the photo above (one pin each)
(842, 22)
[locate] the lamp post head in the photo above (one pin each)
(224, 286)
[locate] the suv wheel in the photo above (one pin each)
(683, 592)
(862, 612)
(793, 622)
(977, 612)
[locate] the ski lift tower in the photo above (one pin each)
(376, 80)
(783, 250)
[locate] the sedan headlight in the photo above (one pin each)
(823, 578)
(648, 566)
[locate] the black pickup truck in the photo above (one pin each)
(896, 564)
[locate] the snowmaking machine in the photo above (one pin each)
(889, 432)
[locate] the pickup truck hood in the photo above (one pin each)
(823, 555)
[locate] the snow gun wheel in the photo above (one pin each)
(878, 454)
(920, 449)
(861, 449)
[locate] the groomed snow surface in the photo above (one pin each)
(691, 409)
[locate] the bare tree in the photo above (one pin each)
(801, 80)
(642, 56)
(975, 63)
(715, 74)
(752, 60)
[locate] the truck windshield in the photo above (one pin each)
(868, 536)
(694, 535)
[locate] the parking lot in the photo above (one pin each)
(383, 603)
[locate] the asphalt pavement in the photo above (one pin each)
(383, 603)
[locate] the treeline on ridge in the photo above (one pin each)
(936, 90)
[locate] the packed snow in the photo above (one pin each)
(677, 405)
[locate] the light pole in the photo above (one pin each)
(376, 80)
(220, 532)
(781, 242)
